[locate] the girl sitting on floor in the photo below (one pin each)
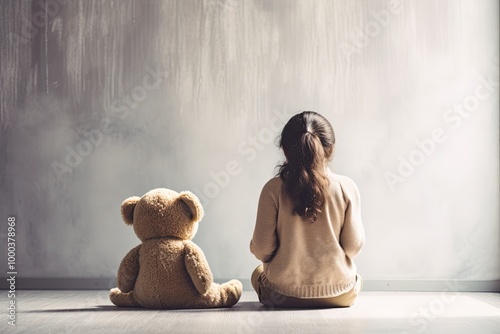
(308, 227)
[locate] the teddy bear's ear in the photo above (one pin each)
(194, 205)
(128, 207)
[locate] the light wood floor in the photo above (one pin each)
(374, 312)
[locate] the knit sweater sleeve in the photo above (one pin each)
(265, 239)
(352, 235)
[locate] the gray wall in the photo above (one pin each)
(191, 95)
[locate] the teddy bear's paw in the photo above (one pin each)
(238, 287)
(122, 299)
(231, 292)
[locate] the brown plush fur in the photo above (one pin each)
(168, 270)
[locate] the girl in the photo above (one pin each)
(308, 226)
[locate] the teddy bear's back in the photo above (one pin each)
(163, 280)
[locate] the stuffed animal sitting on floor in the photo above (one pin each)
(168, 270)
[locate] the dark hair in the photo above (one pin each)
(308, 141)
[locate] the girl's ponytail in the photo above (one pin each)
(307, 141)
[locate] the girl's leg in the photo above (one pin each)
(274, 299)
(256, 277)
(267, 296)
(344, 300)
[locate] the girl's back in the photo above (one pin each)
(308, 225)
(309, 259)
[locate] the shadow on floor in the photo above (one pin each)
(242, 306)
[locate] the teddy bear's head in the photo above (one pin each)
(163, 213)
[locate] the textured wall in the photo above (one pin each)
(101, 100)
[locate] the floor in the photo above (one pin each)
(374, 312)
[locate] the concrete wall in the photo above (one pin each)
(102, 100)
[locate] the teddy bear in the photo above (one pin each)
(167, 270)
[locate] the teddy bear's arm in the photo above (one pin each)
(197, 267)
(128, 270)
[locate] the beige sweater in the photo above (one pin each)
(303, 259)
